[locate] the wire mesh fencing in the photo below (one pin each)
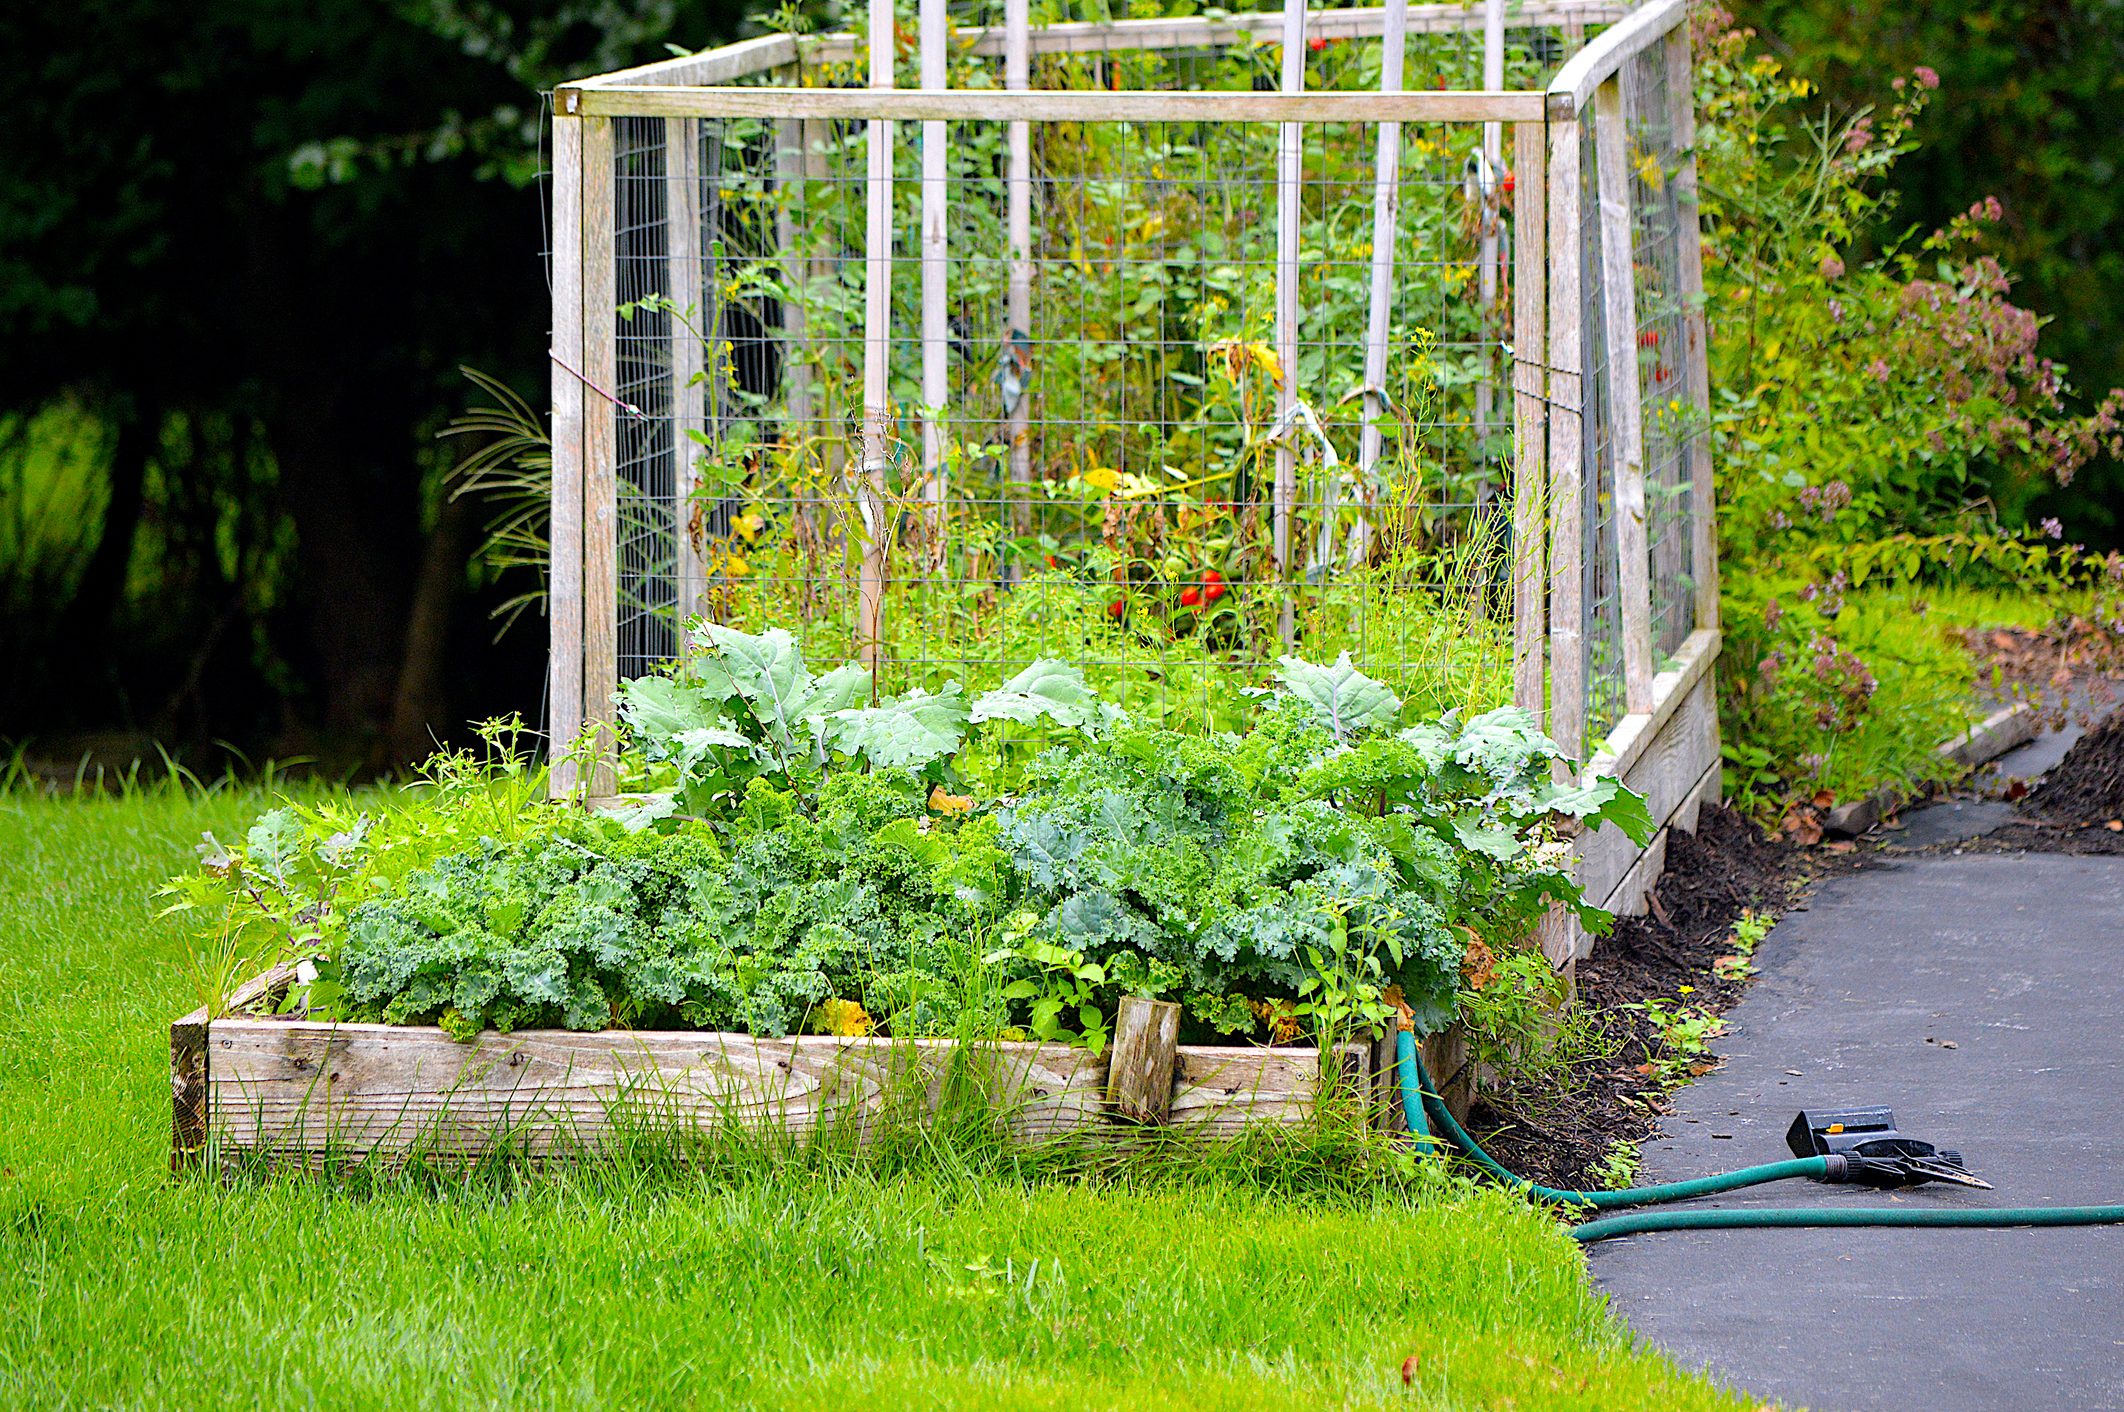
(1149, 403)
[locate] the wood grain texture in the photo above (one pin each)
(564, 584)
(1575, 83)
(869, 488)
(753, 57)
(1626, 431)
(1530, 425)
(600, 514)
(683, 283)
(1697, 655)
(1290, 200)
(1386, 222)
(1017, 420)
(310, 1090)
(188, 1090)
(1696, 347)
(1566, 461)
(1221, 1089)
(1666, 770)
(1059, 105)
(1139, 1076)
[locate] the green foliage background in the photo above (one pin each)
(2027, 112)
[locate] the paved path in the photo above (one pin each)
(1982, 997)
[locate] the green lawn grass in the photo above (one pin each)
(627, 1287)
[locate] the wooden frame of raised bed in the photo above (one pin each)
(306, 1092)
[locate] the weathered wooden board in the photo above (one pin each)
(1667, 772)
(306, 1089)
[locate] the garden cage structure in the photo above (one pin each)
(1162, 345)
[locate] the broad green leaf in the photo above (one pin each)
(273, 842)
(768, 671)
(1484, 838)
(1346, 700)
(1503, 743)
(1050, 690)
(846, 686)
(906, 732)
(658, 710)
(1604, 801)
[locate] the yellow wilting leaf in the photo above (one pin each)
(1105, 478)
(943, 801)
(1265, 358)
(840, 1017)
(749, 525)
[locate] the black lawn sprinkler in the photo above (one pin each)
(1854, 1145)
(1862, 1145)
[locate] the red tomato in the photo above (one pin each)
(1316, 44)
(1509, 182)
(1190, 597)
(1213, 577)
(1648, 339)
(1215, 592)
(1116, 608)
(1051, 562)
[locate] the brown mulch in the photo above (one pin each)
(2079, 805)
(1727, 866)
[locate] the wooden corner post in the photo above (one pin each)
(1290, 173)
(564, 590)
(692, 322)
(1566, 465)
(1139, 1075)
(600, 325)
(1530, 387)
(877, 352)
(936, 333)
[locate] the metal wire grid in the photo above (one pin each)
(1600, 559)
(1668, 424)
(1153, 272)
(991, 576)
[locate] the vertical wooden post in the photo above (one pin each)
(1290, 172)
(189, 1090)
(792, 168)
(1486, 251)
(1139, 1074)
(877, 351)
(1567, 499)
(1618, 283)
(1386, 227)
(682, 226)
(1530, 499)
(564, 589)
(936, 335)
(1696, 345)
(600, 367)
(1017, 338)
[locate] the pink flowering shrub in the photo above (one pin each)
(1881, 413)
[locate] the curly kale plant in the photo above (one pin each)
(587, 924)
(805, 871)
(1318, 861)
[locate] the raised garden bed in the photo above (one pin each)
(306, 1091)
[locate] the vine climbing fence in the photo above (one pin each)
(1164, 345)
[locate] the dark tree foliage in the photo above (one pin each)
(2027, 111)
(256, 239)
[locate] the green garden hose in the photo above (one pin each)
(1991, 1217)
(1418, 1098)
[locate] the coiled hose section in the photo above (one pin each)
(1419, 1100)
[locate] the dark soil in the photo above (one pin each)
(2079, 806)
(1712, 876)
